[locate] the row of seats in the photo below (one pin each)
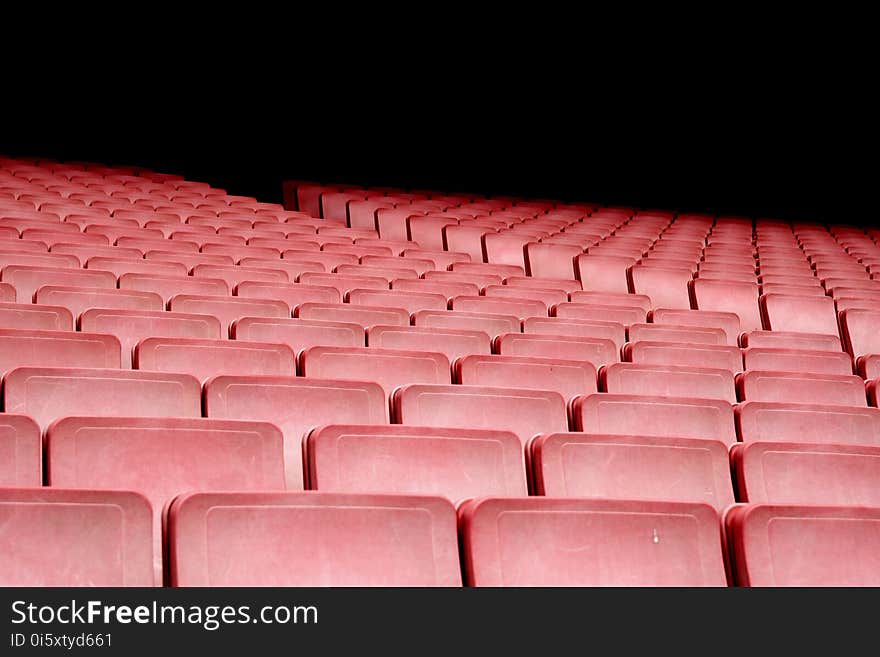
(341, 539)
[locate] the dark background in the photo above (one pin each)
(781, 149)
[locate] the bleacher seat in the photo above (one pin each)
(453, 343)
(667, 380)
(517, 306)
(453, 463)
(489, 323)
(161, 458)
(411, 301)
(569, 378)
(787, 545)
(312, 539)
(167, 286)
(60, 537)
(295, 405)
(673, 417)
(797, 360)
(206, 358)
(687, 354)
(365, 316)
(35, 316)
(227, 309)
(390, 368)
(727, 322)
(29, 347)
(799, 314)
(632, 468)
(79, 299)
(665, 286)
(50, 393)
(26, 280)
(598, 351)
(675, 334)
(807, 473)
(789, 340)
(522, 411)
(759, 421)
(731, 297)
(132, 326)
(625, 315)
(801, 387)
(21, 448)
(613, 331)
(545, 541)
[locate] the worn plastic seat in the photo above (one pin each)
(364, 316)
(298, 334)
(625, 315)
(207, 358)
(227, 309)
(44, 542)
(799, 314)
(632, 468)
(687, 354)
(453, 343)
(517, 306)
(453, 463)
(20, 347)
(598, 351)
(729, 296)
(167, 286)
(577, 328)
(295, 405)
(810, 388)
(727, 322)
(312, 539)
(567, 377)
(22, 449)
(489, 323)
(26, 280)
(797, 360)
(759, 421)
(545, 541)
(668, 380)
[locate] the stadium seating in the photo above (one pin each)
(667, 380)
(312, 539)
(569, 378)
(806, 422)
(206, 358)
(776, 386)
(21, 449)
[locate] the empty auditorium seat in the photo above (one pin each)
(295, 405)
(21, 452)
(120, 266)
(453, 463)
(411, 301)
(603, 273)
(50, 393)
(26, 280)
(674, 417)
(666, 287)
(730, 297)
(551, 260)
(728, 322)
(312, 539)
(390, 368)
(59, 537)
(625, 315)
(20, 347)
(860, 329)
(807, 473)
(632, 468)
(809, 388)
(567, 285)
(790, 340)
(365, 316)
(18, 257)
(228, 309)
(233, 275)
(131, 326)
(518, 307)
(453, 343)
(35, 316)
(673, 333)
(448, 289)
(573, 327)
(490, 323)
(786, 545)
(298, 334)
(524, 412)
(548, 297)
(543, 541)
(797, 360)
(79, 299)
(168, 286)
(293, 294)
(667, 380)
(207, 358)
(803, 422)
(799, 314)
(689, 354)
(598, 351)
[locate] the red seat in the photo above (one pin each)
(567, 377)
(807, 473)
(797, 387)
(233, 275)
(454, 343)
(411, 301)
(35, 316)
(50, 393)
(26, 280)
(799, 314)
(518, 307)
(478, 279)
(567, 285)
(190, 260)
(728, 322)
(86, 251)
(673, 333)
(22, 449)
(784, 545)
(802, 422)
(789, 340)
(479, 268)
(295, 405)
(543, 541)
(293, 294)
(207, 358)
(312, 539)
(44, 542)
(524, 412)
(365, 316)
(689, 354)
(797, 360)
(666, 287)
(79, 299)
(612, 299)
(489, 323)
(551, 260)
(673, 417)
(730, 297)
(452, 463)
(132, 326)
(19, 257)
(7, 293)
(120, 266)
(390, 368)
(448, 289)
(668, 380)
(598, 351)
(613, 331)
(632, 468)
(625, 315)
(168, 286)
(603, 273)
(860, 329)
(548, 297)
(418, 265)
(20, 347)
(161, 458)
(298, 334)
(228, 309)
